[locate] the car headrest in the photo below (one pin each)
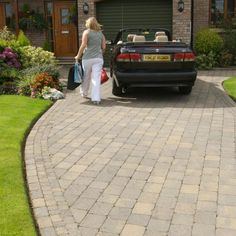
(161, 38)
(130, 37)
(139, 38)
(160, 33)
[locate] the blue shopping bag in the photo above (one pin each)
(78, 73)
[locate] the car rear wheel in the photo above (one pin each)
(185, 89)
(115, 89)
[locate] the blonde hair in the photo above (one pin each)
(91, 23)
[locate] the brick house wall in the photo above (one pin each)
(181, 21)
(201, 15)
(83, 17)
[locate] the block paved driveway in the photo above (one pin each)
(152, 163)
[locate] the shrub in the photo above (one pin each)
(43, 80)
(8, 87)
(33, 56)
(22, 39)
(50, 69)
(13, 44)
(206, 61)
(10, 58)
(207, 41)
(9, 74)
(24, 85)
(226, 58)
(10, 65)
(229, 42)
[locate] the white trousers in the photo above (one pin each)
(92, 74)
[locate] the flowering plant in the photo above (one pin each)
(10, 58)
(34, 56)
(41, 81)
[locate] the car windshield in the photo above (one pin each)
(126, 35)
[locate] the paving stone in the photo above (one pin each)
(119, 213)
(185, 208)
(113, 226)
(203, 230)
(180, 230)
(207, 196)
(135, 230)
(93, 221)
(225, 232)
(138, 219)
(226, 223)
(108, 198)
(207, 206)
(87, 231)
(148, 197)
(156, 225)
(123, 202)
(152, 188)
(78, 214)
(44, 222)
(48, 232)
(163, 213)
(143, 208)
(101, 208)
(204, 217)
(182, 219)
(84, 203)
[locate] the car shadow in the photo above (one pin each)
(204, 95)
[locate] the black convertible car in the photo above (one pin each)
(149, 57)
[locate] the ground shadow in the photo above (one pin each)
(204, 95)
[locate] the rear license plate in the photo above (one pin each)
(158, 57)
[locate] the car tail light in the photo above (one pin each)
(187, 56)
(124, 57)
(179, 57)
(135, 57)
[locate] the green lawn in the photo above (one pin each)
(16, 115)
(230, 87)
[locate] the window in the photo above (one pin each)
(65, 16)
(49, 16)
(9, 16)
(222, 11)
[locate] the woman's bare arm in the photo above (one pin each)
(103, 43)
(82, 46)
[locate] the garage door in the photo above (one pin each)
(115, 15)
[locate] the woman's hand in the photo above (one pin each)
(77, 58)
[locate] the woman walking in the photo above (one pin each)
(91, 51)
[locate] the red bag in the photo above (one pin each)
(104, 76)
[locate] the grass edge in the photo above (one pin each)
(23, 164)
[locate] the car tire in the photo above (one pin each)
(185, 89)
(115, 89)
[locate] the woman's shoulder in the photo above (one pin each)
(86, 32)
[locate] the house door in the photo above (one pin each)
(2, 15)
(65, 31)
